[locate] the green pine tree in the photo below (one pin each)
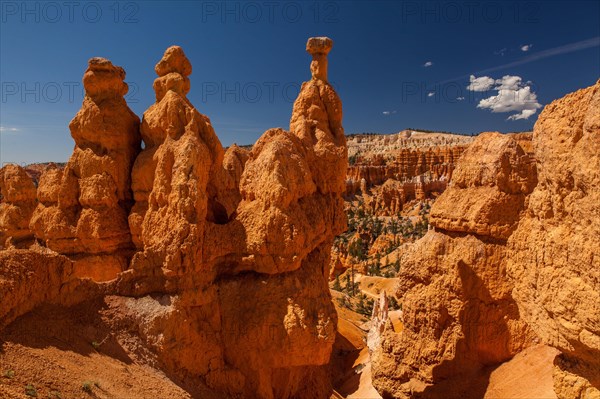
(336, 284)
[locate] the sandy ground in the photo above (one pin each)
(527, 375)
(373, 285)
(74, 353)
(352, 377)
(60, 351)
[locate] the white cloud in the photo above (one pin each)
(513, 96)
(386, 113)
(526, 47)
(8, 129)
(428, 64)
(508, 82)
(460, 98)
(483, 83)
(431, 94)
(525, 114)
(501, 52)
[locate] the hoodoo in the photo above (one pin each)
(458, 313)
(82, 210)
(215, 263)
(18, 202)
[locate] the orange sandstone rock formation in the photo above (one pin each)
(458, 313)
(83, 209)
(512, 244)
(436, 161)
(174, 178)
(17, 202)
(555, 250)
(217, 261)
(488, 189)
(240, 241)
(29, 278)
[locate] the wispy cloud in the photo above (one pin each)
(540, 55)
(460, 98)
(386, 113)
(501, 52)
(5, 129)
(428, 64)
(526, 47)
(431, 94)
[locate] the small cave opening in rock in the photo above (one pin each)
(216, 212)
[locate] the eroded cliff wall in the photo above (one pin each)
(458, 313)
(554, 257)
(513, 258)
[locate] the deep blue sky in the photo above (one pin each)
(377, 63)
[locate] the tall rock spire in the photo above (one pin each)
(83, 209)
(173, 177)
(317, 121)
(319, 47)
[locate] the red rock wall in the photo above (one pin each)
(438, 163)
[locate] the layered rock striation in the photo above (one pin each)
(405, 164)
(389, 171)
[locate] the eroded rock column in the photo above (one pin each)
(83, 208)
(290, 212)
(238, 243)
(174, 177)
(17, 202)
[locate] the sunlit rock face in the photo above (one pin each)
(241, 239)
(216, 261)
(458, 312)
(511, 258)
(82, 210)
(555, 250)
(17, 203)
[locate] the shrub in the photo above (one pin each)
(344, 302)
(87, 386)
(394, 305)
(30, 391)
(336, 285)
